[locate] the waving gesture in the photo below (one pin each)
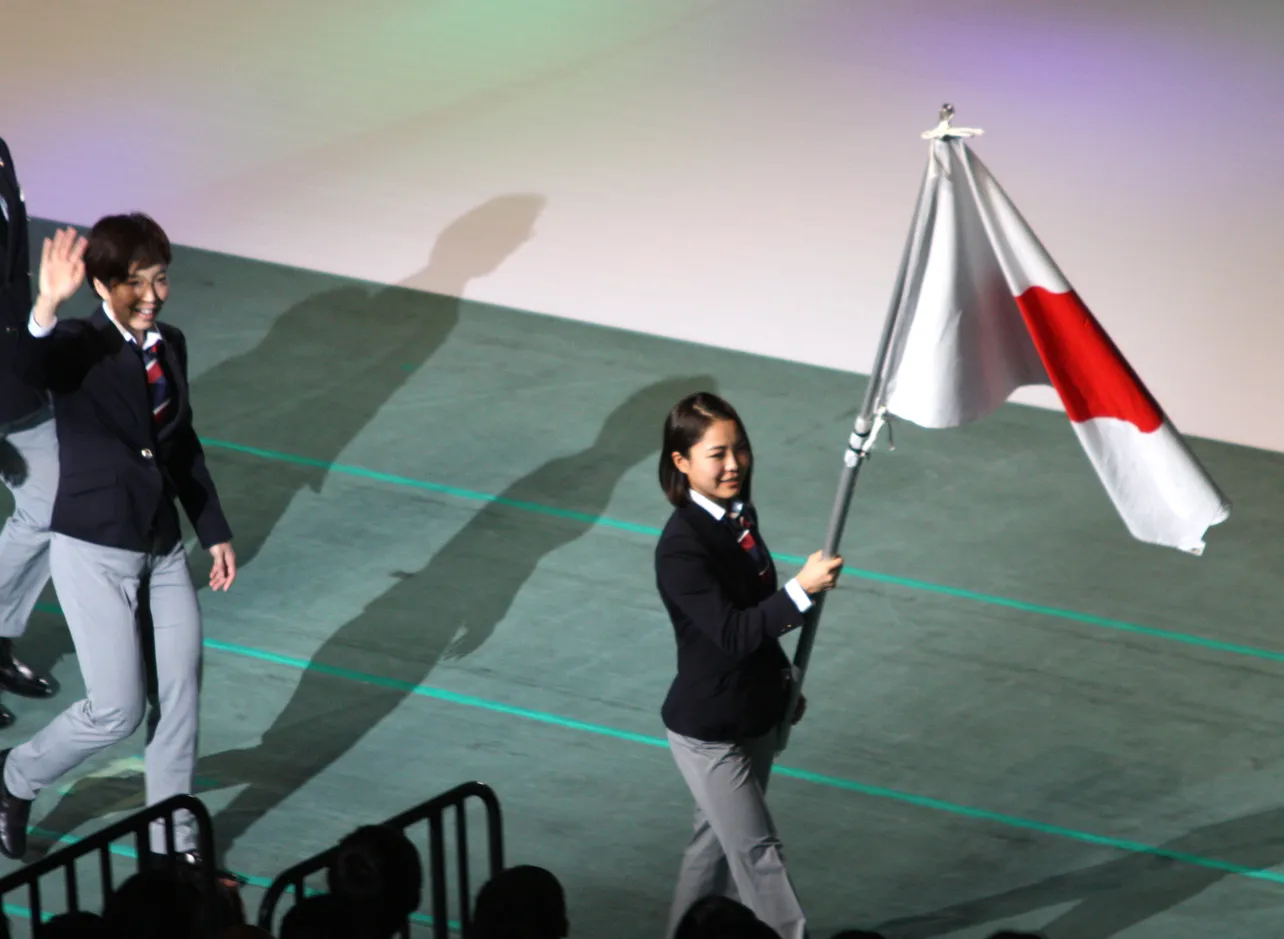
(62, 267)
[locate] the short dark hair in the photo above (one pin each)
(376, 871)
(683, 428)
(154, 903)
(76, 924)
(716, 917)
(321, 916)
(525, 899)
(116, 242)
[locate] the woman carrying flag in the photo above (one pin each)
(718, 583)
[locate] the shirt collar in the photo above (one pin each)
(153, 335)
(717, 511)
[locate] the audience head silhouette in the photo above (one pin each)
(521, 902)
(721, 918)
(76, 925)
(376, 873)
(320, 917)
(154, 904)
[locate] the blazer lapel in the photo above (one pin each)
(723, 542)
(126, 381)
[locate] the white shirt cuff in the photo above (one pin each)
(36, 329)
(798, 595)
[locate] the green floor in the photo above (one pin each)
(445, 514)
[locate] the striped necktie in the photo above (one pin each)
(156, 383)
(740, 518)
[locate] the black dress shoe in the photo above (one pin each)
(19, 678)
(14, 813)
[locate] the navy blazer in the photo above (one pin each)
(17, 398)
(733, 677)
(119, 474)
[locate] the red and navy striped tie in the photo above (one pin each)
(741, 522)
(156, 383)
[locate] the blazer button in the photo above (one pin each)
(147, 454)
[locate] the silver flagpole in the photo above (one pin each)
(869, 421)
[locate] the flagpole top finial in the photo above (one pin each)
(944, 131)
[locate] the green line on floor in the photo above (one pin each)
(879, 792)
(1012, 821)
(909, 583)
(469, 494)
(427, 691)
(835, 782)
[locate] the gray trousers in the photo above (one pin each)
(24, 542)
(99, 591)
(735, 851)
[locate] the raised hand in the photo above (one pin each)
(62, 266)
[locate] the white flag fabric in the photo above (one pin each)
(985, 311)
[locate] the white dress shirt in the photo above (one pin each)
(153, 335)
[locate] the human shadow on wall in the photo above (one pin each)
(316, 380)
(448, 609)
(329, 364)
(1113, 897)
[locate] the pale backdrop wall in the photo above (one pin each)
(738, 173)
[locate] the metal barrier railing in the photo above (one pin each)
(100, 842)
(433, 811)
